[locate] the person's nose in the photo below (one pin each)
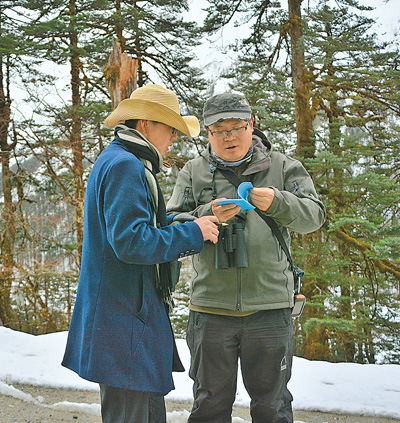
(229, 136)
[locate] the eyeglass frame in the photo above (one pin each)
(226, 132)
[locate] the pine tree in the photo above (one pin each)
(352, 85)
(63, 140)
(11, 50)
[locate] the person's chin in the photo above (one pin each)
(232, 156)
(231, 152)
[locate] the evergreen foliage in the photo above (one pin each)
(356, 125)
(352, 265)
(55, 148)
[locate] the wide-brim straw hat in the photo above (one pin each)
(156, 103)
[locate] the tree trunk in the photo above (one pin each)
(7, 238)
(305, 143)
(76, 133)
(121, 75)
(315, 344)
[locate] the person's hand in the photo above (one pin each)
(209, 228)
(225, 212)
(262, 198)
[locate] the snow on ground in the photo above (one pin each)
(343, 388)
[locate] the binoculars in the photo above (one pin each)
(231, 247)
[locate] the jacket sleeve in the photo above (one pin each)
(182, 199)
(297, 206)
(129, 220)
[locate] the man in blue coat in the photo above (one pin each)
(120, 334)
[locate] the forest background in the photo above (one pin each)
(323, 87)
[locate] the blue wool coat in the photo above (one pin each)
(120, 334)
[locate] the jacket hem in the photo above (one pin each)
(247, 307)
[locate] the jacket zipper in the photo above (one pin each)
(185, 197)
(298, 191)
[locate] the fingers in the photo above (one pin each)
(261, 193)
(262, 198)
(213, 218)
(228, 214)
(209, 228)
(213, 236)
(226, 211)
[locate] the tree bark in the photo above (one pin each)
(76, 132)
(300, 77)
(315, 344)
(7, 238)
(121, 75)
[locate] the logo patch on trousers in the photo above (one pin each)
(283, 364)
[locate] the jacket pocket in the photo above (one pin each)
(144, 307)
(183, 199)
(300, 193)
(205, 196)
(139, 321)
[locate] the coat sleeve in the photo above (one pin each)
(297, 206)
(129, 219)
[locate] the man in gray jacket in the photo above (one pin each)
(242, 291)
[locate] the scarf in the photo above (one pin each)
(134, 142)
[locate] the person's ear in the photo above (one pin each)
(142, 127)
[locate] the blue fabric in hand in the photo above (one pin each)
(243, 192)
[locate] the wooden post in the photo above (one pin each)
(121, 75)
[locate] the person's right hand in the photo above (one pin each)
(209, 228)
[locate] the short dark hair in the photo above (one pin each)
(131, 123)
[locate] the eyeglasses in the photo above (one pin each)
(234, 132)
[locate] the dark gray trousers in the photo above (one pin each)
(126, 406)
(264, 343)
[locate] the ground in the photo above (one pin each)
(16, 411)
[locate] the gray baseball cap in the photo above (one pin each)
(226, 106)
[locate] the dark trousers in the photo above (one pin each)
(126, 406)
(264, 343)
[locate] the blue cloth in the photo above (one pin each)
(120, 334)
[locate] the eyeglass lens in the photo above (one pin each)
(234, 132)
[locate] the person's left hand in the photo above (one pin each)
(226, 211)
(262, 198)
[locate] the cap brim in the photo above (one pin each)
(219, 117)
(149, 110)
